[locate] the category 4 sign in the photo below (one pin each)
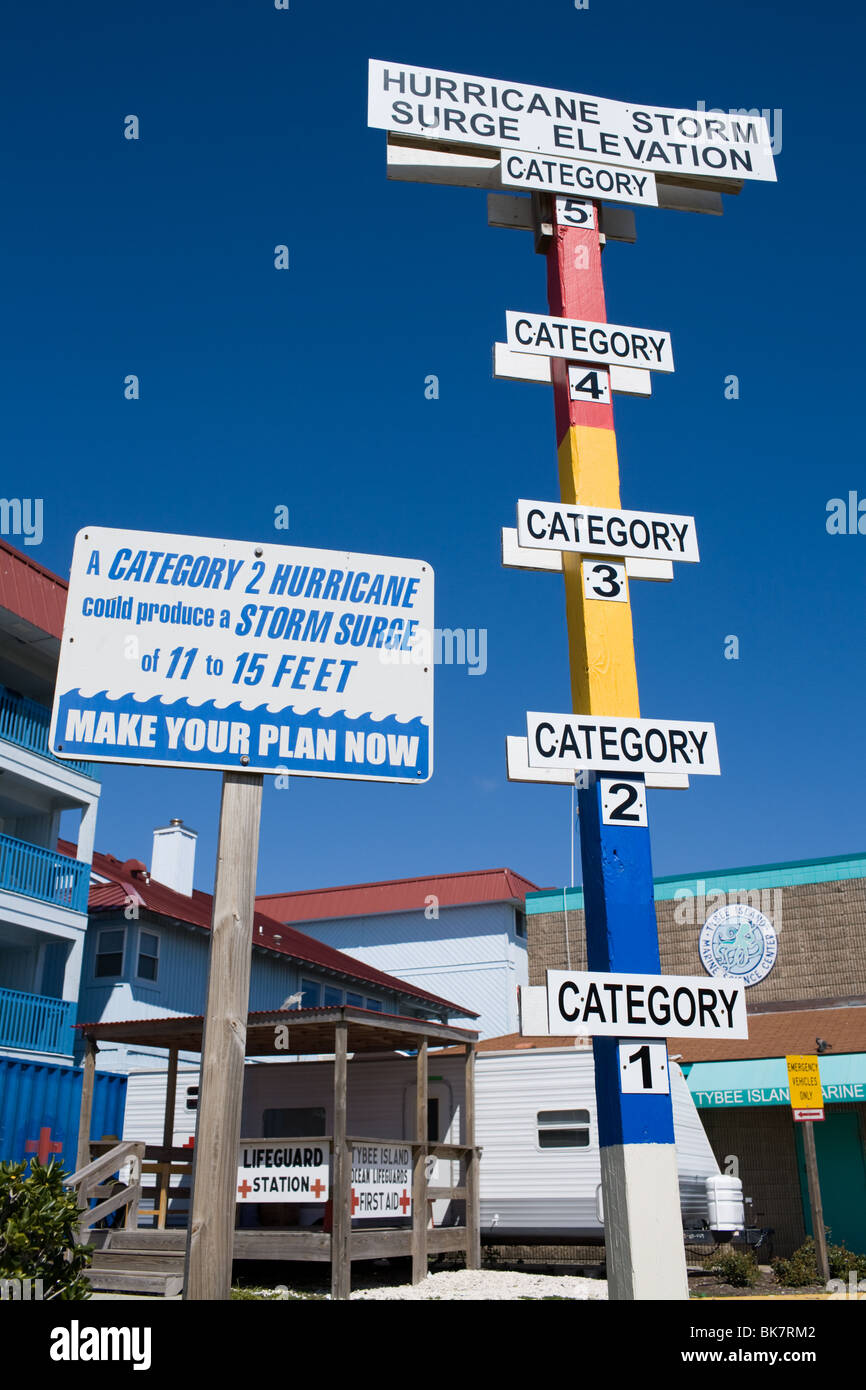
(453, 107)
(189, 652)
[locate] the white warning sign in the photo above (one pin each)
(381, 1181)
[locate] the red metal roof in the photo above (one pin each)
(31, 592)
(129, 882)
(398, 895)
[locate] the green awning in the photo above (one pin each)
(764, 1081)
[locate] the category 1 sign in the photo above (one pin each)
(603, 1005)
(453, 107)
(282, 1171)
(182, 651)
(520, 169)
(606, 531)
(381, 1181)
(583, 341)
(585, 742)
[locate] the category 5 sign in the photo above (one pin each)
(183, 651)
(601, 1005)
(453, 107)
(606, 531)
(585, 742)
(522, 170)
(381, 1181)
(584, 341)
(282, 1172)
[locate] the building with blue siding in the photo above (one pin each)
(462, 935)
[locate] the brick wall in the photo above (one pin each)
(821, 930)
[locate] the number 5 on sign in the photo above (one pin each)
(643, 1068)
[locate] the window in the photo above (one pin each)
(109, 954)
(297, 1123)
(192, 1097)
(563, 1129)
(333, 997)
(311, 994)
(375, 1005)
(148, 955)
(520, 923)
(356, 1000)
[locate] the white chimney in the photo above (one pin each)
(173, 859)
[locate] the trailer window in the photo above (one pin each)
(563, 1129)
(296, 1123)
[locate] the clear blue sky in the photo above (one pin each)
(306, 388)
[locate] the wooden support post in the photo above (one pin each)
(643, 1226)
(164, 1179)
(419, 1169)
(815, 1204)
(341, 1224)
(473, 1205)
(210, 1238)
(87, 1083)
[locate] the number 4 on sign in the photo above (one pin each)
(643, 1068)
(589, 384)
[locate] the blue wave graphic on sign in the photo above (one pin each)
(181, 733)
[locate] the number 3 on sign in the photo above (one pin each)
(643, 1068)
(605, 579)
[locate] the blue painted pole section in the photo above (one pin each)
(622, 937)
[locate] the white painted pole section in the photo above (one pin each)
(645, 1252)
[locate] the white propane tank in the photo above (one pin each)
(725, 1210)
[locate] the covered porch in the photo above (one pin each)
(336, 1033)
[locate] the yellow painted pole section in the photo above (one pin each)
(600, 633)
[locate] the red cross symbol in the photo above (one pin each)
(405, 1202)
(190, 1143)
(43, 1147)
(244, 1188)
(317, 1188)
(355, 1202)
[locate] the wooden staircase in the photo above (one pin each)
(137, 1261)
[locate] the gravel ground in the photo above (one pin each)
(486, 1284)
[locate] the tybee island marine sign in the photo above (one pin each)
(183, 651)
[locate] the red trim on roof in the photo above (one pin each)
(32, 592)
(126, 884)
(398, 895)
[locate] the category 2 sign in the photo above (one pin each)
(282, 1172)
(182, 651)
(603, 1005)
(586, 743)
(453, 107)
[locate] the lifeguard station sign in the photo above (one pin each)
(187, 652)
(451, 107)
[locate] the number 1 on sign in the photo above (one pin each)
(643, 1068)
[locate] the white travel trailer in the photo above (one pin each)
(540, 1178)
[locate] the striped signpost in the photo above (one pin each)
(528, 132)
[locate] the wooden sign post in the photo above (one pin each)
(807, 1106)
(210, 1236)
(479, 132)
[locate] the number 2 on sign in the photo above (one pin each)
(605, 579)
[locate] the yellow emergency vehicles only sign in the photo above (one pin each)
(804, 1085)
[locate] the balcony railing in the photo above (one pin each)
(26, 723)
(35, 1022)
(44, 874)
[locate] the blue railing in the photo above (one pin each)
(35, 1022)
(44, 874)
(26, 723)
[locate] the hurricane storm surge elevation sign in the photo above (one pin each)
(183, 651)
(453, 107)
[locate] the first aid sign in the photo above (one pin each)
(595, 1004)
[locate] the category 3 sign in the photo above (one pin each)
(585, 742)
(606, 531)
(182, 651)
(602, 1005)
(453, 107)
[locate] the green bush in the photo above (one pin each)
(842, 1260)
(735, 1267)
(801, 1269)
(39, 1231)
